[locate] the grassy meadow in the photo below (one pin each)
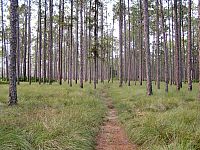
(61, 117)
(50, 118)
(164, 121)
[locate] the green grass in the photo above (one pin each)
(59, 117)
(50, 118)
(159, 122)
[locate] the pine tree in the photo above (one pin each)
(147, 47)
(13, 47)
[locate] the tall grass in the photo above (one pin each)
(50, 118)
(164, 121)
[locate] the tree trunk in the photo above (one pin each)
(165, 48)
(112, 68)
(179, 38)
(71, 45)
(18, 49)
(176, 47)
(189, 47)
(170, 46)
(199, 41)
(129, 45)
(125, 46)
(147, 48)
(96, 42)
(141, 47)
(25, 44)
(102, 48)
(86, 43)
(45, 43)
(120, 43)
(157, 45)
(77, 44)
(51, 41)
(81, 47)
(40, 43)
(29, 42)
(2, 57)
(13, 47)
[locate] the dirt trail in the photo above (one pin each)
(112, 135)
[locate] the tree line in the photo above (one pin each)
(76, 40)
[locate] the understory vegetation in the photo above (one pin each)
(50, 117)
(164, 121)
(63, 117)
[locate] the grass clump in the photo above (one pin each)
(164, 121)
(50, 117)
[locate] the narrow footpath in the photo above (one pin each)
(112, 136)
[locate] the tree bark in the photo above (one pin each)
(141, 46)
(199, 41)
(176, 47)
(51, 42)
(40, 43)
(13, 47)
(147, 47)
(77, 44)
(71, 45)
(2, 37)
(189, 47)
(81, 46)
(129, 45)
(157, 45)
(25, 44)
(120, 43)
(45, 43)
(29, 42)
(165, 48)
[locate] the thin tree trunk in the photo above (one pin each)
(18, 49)
(125, 46)
(120, 43)
(170, 47)
(141, 46)
(77, 44)
(25, 45)
(2, 57)
(176, 47)
(90, 28)
(6, 55)
(157, 45)
(51, 42)
(71, 45)
(129, 45)
(165, 48)
(40, 43)
(86, 42)
(102, 48)
(179, 40)
(96, 42)
(189, 47)
(199, 41)
(29, 42)
(112, 68)
(81, 47)
(173, 47)
(45, 43)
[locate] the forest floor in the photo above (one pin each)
(163, 121)
(50, 117)
(112, 136)
(62, 117)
